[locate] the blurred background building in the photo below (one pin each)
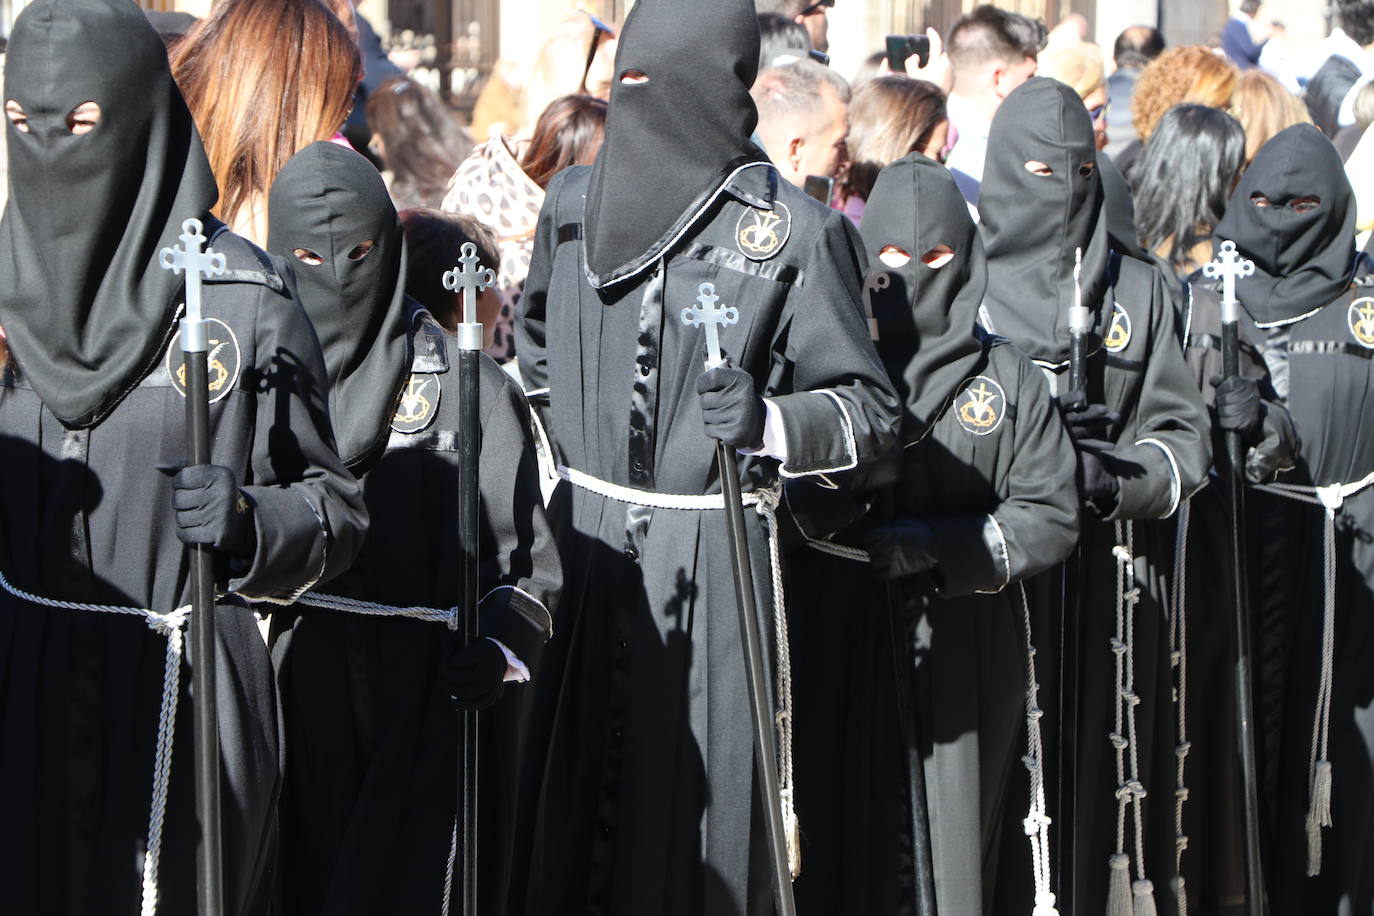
(462, 40)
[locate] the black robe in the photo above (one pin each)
(86, 515)
(640, 766)
(1161, 456)
(370, 796)
(1330, 379)
(1000, 499)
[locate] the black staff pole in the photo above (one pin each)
(1228, 266)
(900, 623)
(197, 263)
(470, 278)
(1070, 628)
(711, 316)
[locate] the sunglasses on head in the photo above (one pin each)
(818, 6)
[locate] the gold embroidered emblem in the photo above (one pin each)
(981, 406)
(419, 403)
(761, 234)
(1119, 331)
(222, 361)
(1362, 321)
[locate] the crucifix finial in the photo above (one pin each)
(711, 316)
(470, 278)
(1228, 267)
(197, 263)
(1080, 318)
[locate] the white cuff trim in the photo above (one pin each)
(1176, 484)
(516, 672)
(774, 434)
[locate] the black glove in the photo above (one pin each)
(1097, 486)
(212, 510)
(901, 548)
(1239, 407)
(475, 674)
(1084, 420)
(731, 410)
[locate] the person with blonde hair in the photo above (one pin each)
(242, 70)
(1081, 68)
(890, 117)
(1265, 109)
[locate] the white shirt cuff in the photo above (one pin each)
(774, 434)
(516, 672)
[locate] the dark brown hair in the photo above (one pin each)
(433, 240)
(569, 132)
(422, 143)
(264, 79)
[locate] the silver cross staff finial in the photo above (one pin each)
(470, 278)
(1228, 266)
(1080, 319)
(711, 316)
(196, 263)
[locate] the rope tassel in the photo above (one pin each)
(1318, 816)
(1119, 887)
(1144, 893)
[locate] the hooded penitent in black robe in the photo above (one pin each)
(369, 801)
(638, 797)
(1293, 214)
(985, 462)
(1042, 200)
(92, 415)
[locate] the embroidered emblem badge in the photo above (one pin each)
(1362, 321)
(761, 234)
(223, 361)
(981, 406)
(419, 403)
(1119, 331)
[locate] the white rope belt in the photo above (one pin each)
(1037, 821)
(1319, 778)
(1124, 896)
(170, 626)
(765, 503)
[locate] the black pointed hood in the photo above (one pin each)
(925, 315)
(1304, 258)
(326, 202)
(1032, 224)
(86, 308)
(672, 141)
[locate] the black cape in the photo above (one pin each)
(84, 303)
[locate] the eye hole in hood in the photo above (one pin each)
(633, 77)
(938, 257)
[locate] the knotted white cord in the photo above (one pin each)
(1178, 660)
(765, 503)
(1130, 791)
(1037, 822)
(169, 626)
(1320, 776)
(371, 609)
